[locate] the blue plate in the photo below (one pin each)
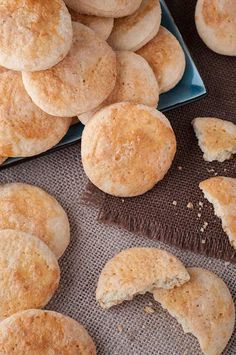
(190, 88)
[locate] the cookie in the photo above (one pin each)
(25, 130)
(101, 25)
(108, 8)
(166, 57)
(137, 271)
(216, 138)
(133, 32)
(34, 35)
(127, 148)
(44, 333)
(135, 82)
(216, 25)
(29, 209)
(29, 272)
(204, 307)
(75, 85)
(221, 192)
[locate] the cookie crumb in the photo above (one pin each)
(150, 304)
(203, 241)
(174, 203)
(149, 310)
(199, 215)
(190, 205)
(227, 263)
(225, 169)
(200, 203)
(180, 167)
(185, 352)
(202, 230)
(216, 174)
(122, 200)
(210, 170)
(205, 224)
(120, 328)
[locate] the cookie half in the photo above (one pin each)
(137, 271)
(204, 307)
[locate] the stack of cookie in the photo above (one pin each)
(127, 145)
(53, 68)
(158, 64)
(34, 233)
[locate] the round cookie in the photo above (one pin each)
(76, 84)
(44, 332)
(135, 82)
(106, 8)
(29, 209)
(101, 25)
(127, 148)
(30, 273)
(134, 31)
(166, 57)
(35, 35)
(204, 307)
(25, 130)
(216, 25)
(137, 271)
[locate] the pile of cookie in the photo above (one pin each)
(34, 233)
(105, 62)
(58, 63)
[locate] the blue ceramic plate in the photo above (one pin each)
(190, 88)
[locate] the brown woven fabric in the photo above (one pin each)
(154, 214)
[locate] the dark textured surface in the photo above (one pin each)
(154, 214)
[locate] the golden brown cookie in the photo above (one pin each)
(44, 333)
(34, 35)
(76, 84)
(133, 32)
(25, 130)
(30, 273)
(204, 307)
(221, 192)
(101, 25)
(135, 82)
(216, 138)
(216, 25)
(29, 209)
(127, 148)
(137, 271)
(166, 57)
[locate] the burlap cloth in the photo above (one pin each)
(92, 243)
